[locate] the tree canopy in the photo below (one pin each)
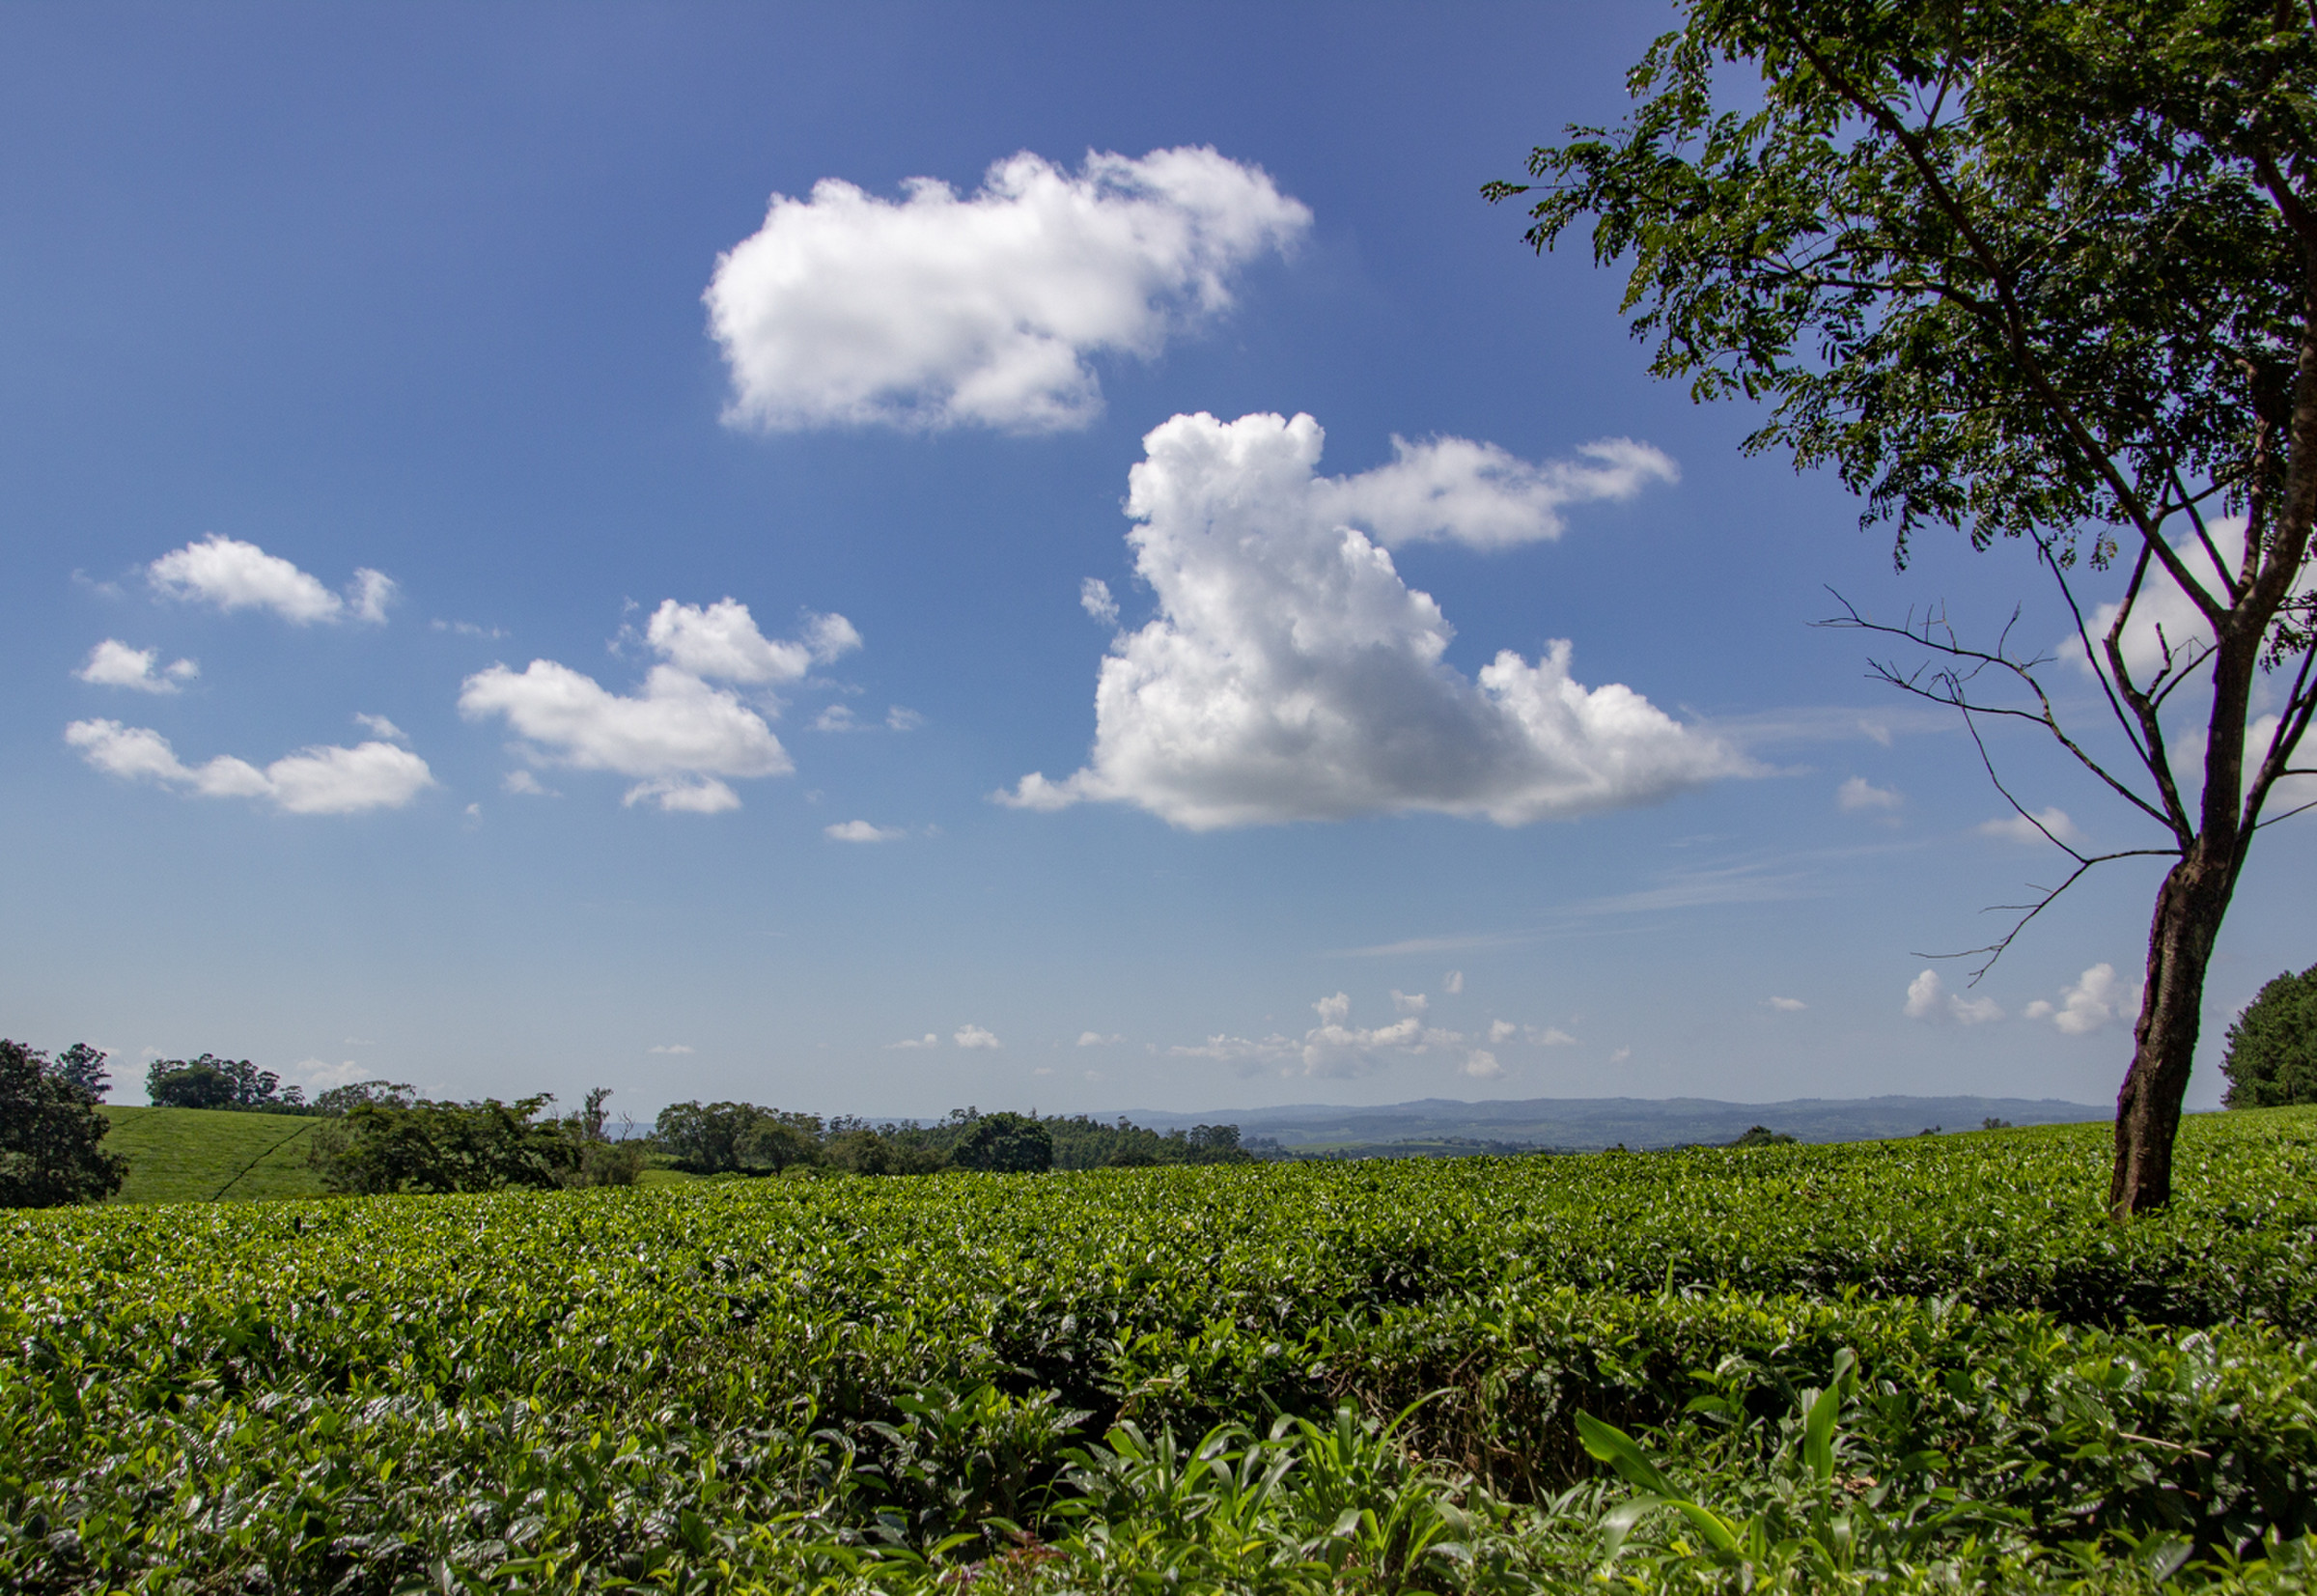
(51, 1131)
(2272, 1056)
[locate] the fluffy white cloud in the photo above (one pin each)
(1787, 1005)
(1481, 1065)
(1501, 1031)
(1927, 999)
(233, 575)
(313, 781)
(1096, 1039)
(1291, 674)
(2054, 825)
(899, 719)
(115, 664)
(378, 725)
(2092, 1002)
(912, 1044)
(1453, 982)
(1477, 494)
(721, 640)
(679, 732)
(2164, 616)
(523, 784)
(935, 310)
(974, 1036)
(1410, 1002)
(861, 830)
(1859, 796)
(1333, 1048)
(1094, 597)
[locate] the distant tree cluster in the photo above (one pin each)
(51, 1131)
(2271, 1060)
(711, 1138)
(385, 1138)
(1762, 1136)
(213, 1082)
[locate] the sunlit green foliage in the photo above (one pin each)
(1298, 1377)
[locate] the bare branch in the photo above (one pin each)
(1949, 689)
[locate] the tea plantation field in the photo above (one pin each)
(1916, 1366)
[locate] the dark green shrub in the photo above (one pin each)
(2270, 1060)
(51, 1129)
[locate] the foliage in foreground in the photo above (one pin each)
(1298, 1377)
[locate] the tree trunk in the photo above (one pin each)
(2189, 911)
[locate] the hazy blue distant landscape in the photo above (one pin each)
(1588, 1124)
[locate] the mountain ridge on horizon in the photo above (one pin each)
(1590, 1123)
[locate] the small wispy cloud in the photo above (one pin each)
(1786, 1005)
(669, 1047)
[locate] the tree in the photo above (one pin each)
(1006, 1144)
(51, 1129)
(2272, 1056)
(2040, 270)
(431, 1146)
(704, 1137)
(213, 1082)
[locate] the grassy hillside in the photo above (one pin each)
(194, 1155)
(1903, 1367)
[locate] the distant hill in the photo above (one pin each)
(1587, 1124)
(193, 1155)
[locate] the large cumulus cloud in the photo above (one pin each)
(1292, 674)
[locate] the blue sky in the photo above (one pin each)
(288, 296)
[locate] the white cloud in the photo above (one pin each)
(1477, 494)
(1453, 982)
(523, 784)
(1787, 1005)
(973, 1036)
(899, 719)
(1096, 1039)
(688, 794)
(2092, 1002)
(378, 725)
(679, 732)
(1291, 674)
(721, 640)
(321, 1075)
(1406, 1002)
(313, 781)
(836, 717)
(669, 1047)
(914, 1043)
(233, 575)
(1621, 1056)
(861, 830)
(1331, 1048)
(115, 664)
(1927, 999)
(1502, 1031)
(1859, 796)
(1094, 597)
(2055, 826)
(1923, 993)
(934, 311)
(1481, 1065)
(2164, 616)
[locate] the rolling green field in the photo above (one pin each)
(199, 1155)
(1927, 1364)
